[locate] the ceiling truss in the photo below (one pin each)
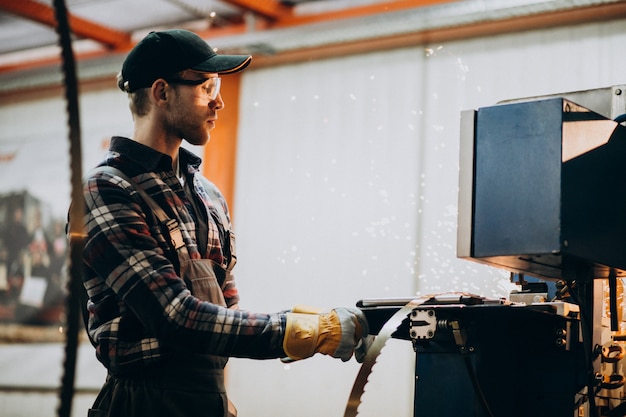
(268, 14)
(275, 14)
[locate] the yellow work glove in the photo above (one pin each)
(338, 332)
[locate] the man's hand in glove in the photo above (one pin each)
(339, 332)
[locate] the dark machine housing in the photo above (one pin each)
(542, 185)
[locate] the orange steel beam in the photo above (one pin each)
(354, 12)
(590, 14)
(283, 16)
(271, 9)
(42, 13)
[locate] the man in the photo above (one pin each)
(163, 305)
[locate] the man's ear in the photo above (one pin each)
(159, 90)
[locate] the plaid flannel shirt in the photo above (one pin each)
(140, 311)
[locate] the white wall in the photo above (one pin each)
(346, 186)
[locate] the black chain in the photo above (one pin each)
(76, 211)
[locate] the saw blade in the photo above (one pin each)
(373, 352)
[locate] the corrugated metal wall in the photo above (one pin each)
(346, 188)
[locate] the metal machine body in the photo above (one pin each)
(500, 360)
(541, 194)
(478, 357)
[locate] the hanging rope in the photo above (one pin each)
(76, 211)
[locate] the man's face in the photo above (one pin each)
(193, 109)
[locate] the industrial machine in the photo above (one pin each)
(541, 194)
(541, 183)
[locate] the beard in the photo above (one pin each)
(189, 122)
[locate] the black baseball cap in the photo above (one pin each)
(164, 53)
